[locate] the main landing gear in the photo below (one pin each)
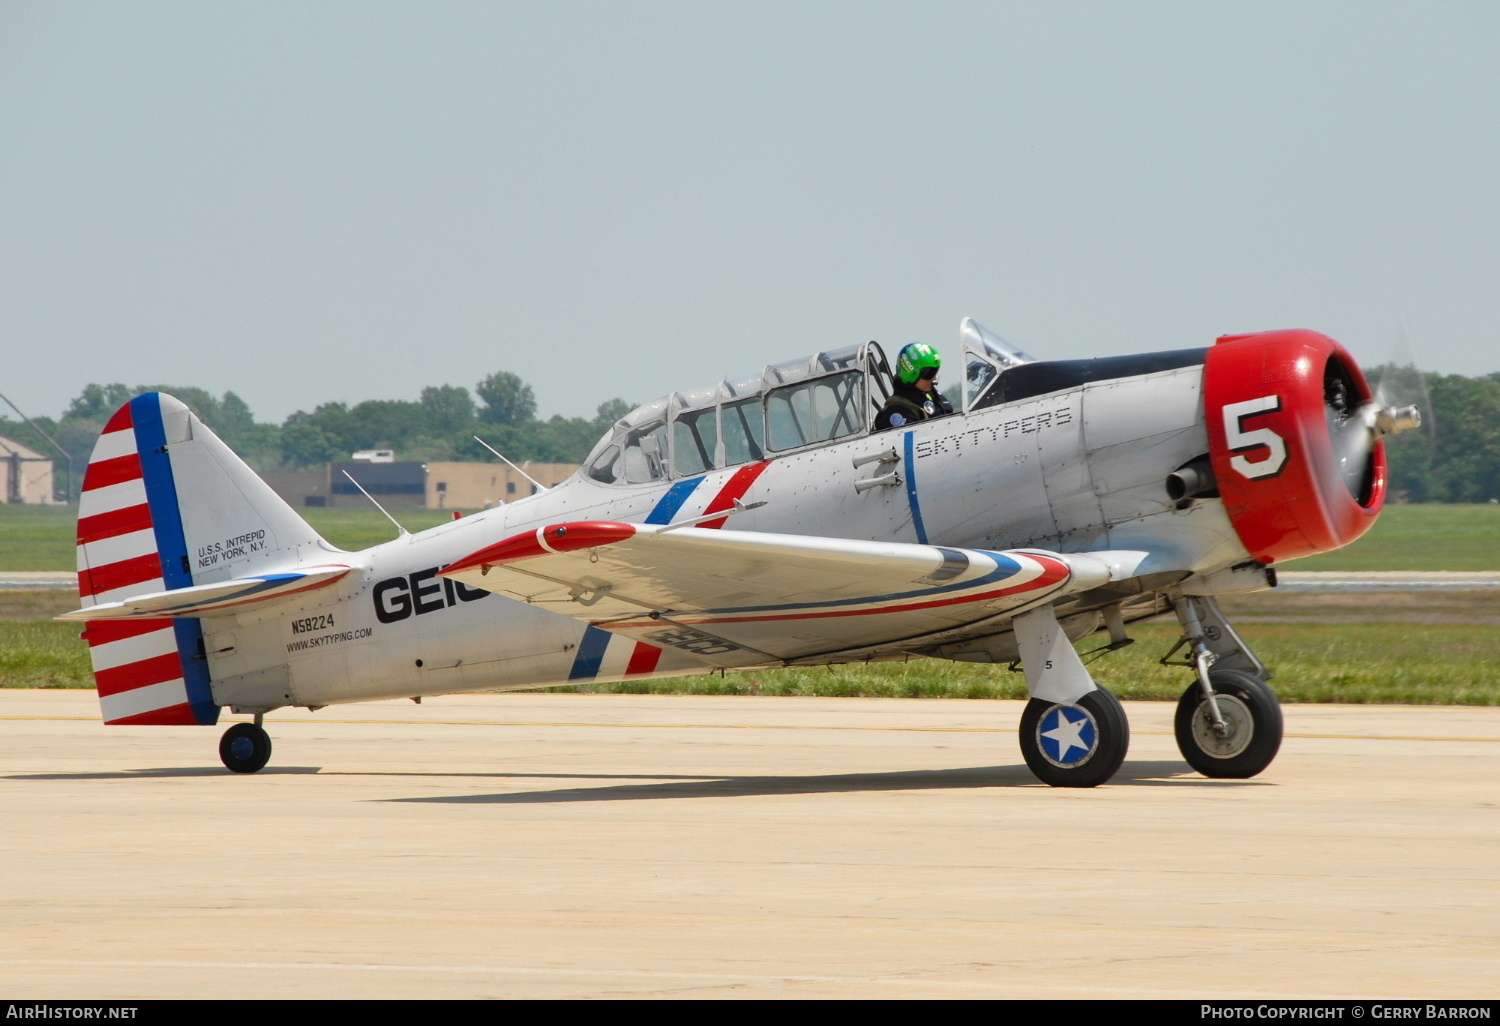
(1073, 732)
(246, 747)
(1079, 745)
(1250, 733)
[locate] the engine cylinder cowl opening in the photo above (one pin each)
(1346, 407)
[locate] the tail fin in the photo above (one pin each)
(167, 505)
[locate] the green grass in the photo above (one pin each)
(1420, 664)
(1415, 664)
(37, 537)
(43, 654)
(355, 529)
(1427, 537)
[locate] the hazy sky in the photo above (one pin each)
(305, 202)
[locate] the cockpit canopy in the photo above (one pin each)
(788, 407)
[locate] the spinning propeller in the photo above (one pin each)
(1396, 406)
(1354, 426)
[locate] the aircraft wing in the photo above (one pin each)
(739, 598)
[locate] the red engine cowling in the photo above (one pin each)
(1274, 402)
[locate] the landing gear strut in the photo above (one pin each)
(1073, 732)
(245, 747)
(1228, 724)
(1247, 736)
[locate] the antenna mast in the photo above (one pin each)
(378, 506)
(512, 466)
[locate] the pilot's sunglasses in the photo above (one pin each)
(928, 373)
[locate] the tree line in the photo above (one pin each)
(1458, 460)
(439, 425)
(1455, 456)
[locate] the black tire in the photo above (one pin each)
(245, 748)
(1096, 724)
(1251, 712)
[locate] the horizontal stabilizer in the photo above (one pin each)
(207, 599)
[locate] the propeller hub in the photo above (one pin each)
(1392, 420)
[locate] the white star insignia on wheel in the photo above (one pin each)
(1067, 734)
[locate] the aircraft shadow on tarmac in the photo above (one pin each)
(163, 771)
(1152, 774)
(1168, 773)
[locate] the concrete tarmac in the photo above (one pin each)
(604, 846)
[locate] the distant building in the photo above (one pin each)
(413, 485)
(25, 476)
(480, 485)
(394, 485)
(300, 489)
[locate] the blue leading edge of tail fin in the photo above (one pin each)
(171, 546)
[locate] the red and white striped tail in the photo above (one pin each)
(142, 673)
(147, 671)
(160, 497)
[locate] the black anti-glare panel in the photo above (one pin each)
(1046, 376)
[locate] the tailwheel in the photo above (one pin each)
(1251, 731)
(245, 748)
(1080, 745)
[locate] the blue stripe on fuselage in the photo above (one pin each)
(590, 654)
(911, 489)
(670, 503)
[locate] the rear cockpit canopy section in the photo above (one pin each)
(789, 407)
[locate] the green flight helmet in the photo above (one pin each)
(918, 360)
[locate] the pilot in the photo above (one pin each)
(916, 396)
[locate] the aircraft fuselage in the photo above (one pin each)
(1077, 469)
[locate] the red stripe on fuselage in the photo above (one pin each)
(734, 488)
(104, 473)
(114, 523)
(643, 660)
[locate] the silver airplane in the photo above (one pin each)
(765, 522)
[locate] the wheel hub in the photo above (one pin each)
(1238, 730)
(1067, 736)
